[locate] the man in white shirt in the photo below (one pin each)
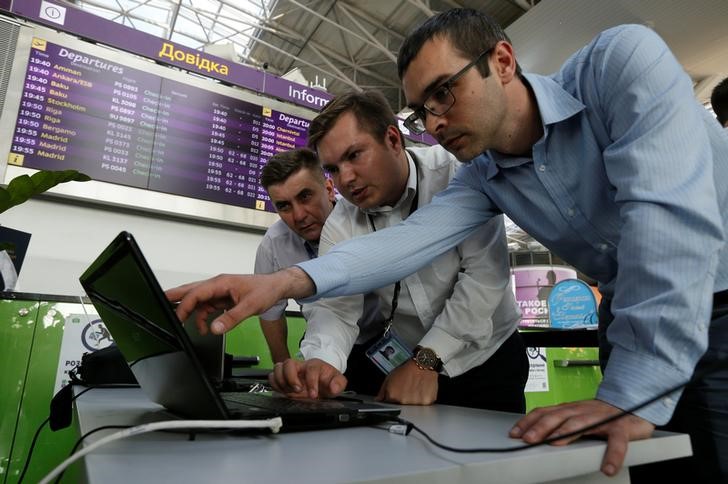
(303, 198)
(457, 318)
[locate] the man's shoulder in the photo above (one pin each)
(618, 46)
(343, 210)
(433, 157)
(278, 231)
(277, 228)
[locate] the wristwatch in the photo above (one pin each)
(427, 359)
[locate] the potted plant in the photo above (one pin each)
(19, 190)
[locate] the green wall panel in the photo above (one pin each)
(247, 340)
(17, 323)
(52, 447)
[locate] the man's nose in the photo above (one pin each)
(299, 212)
(346, 174)
(435, 124)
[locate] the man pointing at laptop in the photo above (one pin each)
(611, 164)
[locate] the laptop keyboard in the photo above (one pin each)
(281, 404)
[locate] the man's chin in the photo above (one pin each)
(310, 235)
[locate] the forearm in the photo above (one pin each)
(276, 335)
(295, 283)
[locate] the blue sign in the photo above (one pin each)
(572, 305)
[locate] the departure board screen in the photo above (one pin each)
(126, 126)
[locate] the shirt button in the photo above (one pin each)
(602, 247)
(542, 168)
(701, 327)
(570, 212)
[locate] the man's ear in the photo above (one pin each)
(330, 192)
(393, 138)
(503, 63)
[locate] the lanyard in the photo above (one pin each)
(397, 286)
(309, 250)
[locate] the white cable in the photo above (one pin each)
(274, 424)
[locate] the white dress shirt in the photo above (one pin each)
(461, 305)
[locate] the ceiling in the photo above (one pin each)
(337, 45)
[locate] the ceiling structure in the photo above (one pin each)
(336, 45)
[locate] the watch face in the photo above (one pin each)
(427, 358)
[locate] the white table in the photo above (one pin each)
(359, 454)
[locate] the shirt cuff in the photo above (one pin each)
(634, 378)
(446, 346)
(335, 359)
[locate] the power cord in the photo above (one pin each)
(274, 424)
(60, 414)
(405, 427)
(35, 440)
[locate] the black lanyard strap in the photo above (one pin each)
(398, 285)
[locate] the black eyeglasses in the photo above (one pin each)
(440, 100)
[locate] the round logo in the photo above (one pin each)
(95, 336)
(52, 12)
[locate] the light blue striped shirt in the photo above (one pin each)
(624, 185)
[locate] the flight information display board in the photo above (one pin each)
(126, 126)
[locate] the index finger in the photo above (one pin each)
(180, 294)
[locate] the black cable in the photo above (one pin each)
(84, 436)
(411, 426)
(35, 439)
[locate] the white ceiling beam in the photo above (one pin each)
(334, 68)
(453, 3)
(378, 23)
(373, 39)
(522, 4)
(339, 26)
(421, 5)
(363, 70)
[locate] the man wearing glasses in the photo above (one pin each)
(611, 164)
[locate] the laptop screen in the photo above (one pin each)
(148, 333)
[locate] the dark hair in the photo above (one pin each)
(471, 32)
(371, 109)
(719, 101)
(282, 165)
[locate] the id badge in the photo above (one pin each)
(389, 352)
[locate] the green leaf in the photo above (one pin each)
(22, 187)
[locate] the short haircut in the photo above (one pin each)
(371, 110)
(284, 164)
(470, 32)
(719, 101)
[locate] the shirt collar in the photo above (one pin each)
(406, 199)
(554, 105)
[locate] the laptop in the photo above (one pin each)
(152, 339)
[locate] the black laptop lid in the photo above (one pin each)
(147, 331)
